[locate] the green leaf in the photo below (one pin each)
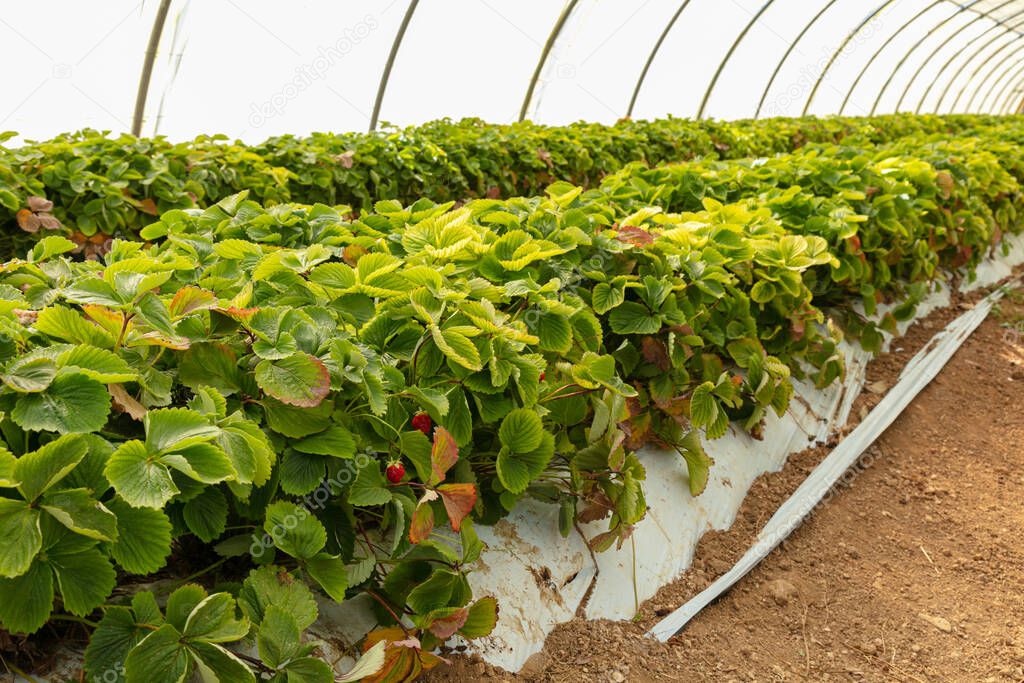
(483, 617)
(206, 515)
(31, 375)
(517, 470)
(329, 571)
(210, 365)
(73, 403)
(294, 530)
(312, 670)
(181, 603)
(116, 634)
(269, 586)
(138, 478)
(459, 420)
(143, 538)
(416, 447)
(432, 400)
(99, 364)
(278, 638)
(159, 658)
(20, 536)
(634, 318)
(335, 441)
(703, 406)
(434, 593)
(214, 621)
(81, 513)
(176, 428)
(605, 297)
(84, 574)
(698, 463)
(39, 470)
(297, 422)
(203, 462)
(67, 324)
(299, 380)
(521, 431)
(554, 332)
(369, 487)
(26, 601)
(216, 664)
(457, 347)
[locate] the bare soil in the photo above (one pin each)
(912, 571)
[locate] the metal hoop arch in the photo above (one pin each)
(988, 60)
(728, 56)
(974, 55)
(654, 53)
(389, 65)
(556, 30)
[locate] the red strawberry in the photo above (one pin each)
(542, 377)
(421, 421)
(395, 472)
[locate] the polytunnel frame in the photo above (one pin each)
(1004, 101)
(1000, 24)
(985, 61)
(888, 81)
(979, 16)
(1007, 74)
(1015, 48)
(995, 76)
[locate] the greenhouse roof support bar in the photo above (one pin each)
(928, 60)
(789, 51)
(1000, 93)
(839, 50)
(948, 63)
(728, 56)
(910, 22)
(888, 81)
(1006, 95)
(970, 59)
(1014, 45)
(386, 75)
(556, 30)
(1007, 75)
(147, 66)
(654, 53)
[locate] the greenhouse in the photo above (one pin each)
(401, 340)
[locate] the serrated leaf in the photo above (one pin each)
(278, 638)
(26, 601)
(481, 620)
(294, 530)
(554, 332)
(77, 510)
(458, 500)
(369, 487)
(521, 431)
(295, 422)
(458, 348)
(517, 470)
(159, 658)
(143, 538)
(299, 380)
(31, 375)
(73, 403)
(632, 317)
(422, 522)
(214, 621)
(20, 536)
(335, 441)
(99, 364)
(176, 428)
(43, 468)
(206, 515)
(443, 455)
(330, 573)
(269, 586)
(140, 480)
(84, 574)
(697, 461)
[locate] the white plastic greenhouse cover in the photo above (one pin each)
(255, 68)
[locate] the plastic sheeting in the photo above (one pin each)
(255, 68)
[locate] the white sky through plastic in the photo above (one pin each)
(255, 68)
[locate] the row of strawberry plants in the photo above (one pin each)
(92, 187)
(317, 403)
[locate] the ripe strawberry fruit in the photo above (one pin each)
(541, 378)
(395, 472)
(421, 421)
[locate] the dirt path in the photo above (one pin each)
(914, 571)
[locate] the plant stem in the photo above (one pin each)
(77, 620)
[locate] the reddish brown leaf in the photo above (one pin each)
(347, 160)
(28, 221)
(125, 403)
(443, 455)
(39, 204)
(422, 519)
(638, 237)
(352, 253)
(458, 500)
(655, 352)
(189, 299)
(446, 627)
